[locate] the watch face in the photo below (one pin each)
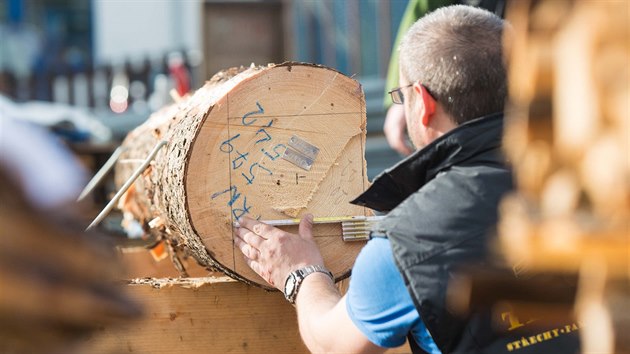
(289, 286)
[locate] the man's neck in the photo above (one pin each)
(440, 124)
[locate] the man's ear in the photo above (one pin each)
(428, 102)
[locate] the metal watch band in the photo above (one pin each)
(298, 276)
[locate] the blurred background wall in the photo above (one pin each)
(157, 27)
(118, 60)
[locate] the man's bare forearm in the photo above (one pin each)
(317, 297)
(324, 324)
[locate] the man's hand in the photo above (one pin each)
(273, 253)
(322, 316)
(395, 129)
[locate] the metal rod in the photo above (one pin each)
(126, 186)
(98, 177)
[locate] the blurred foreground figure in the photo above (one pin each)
(565, 231)
(56, 283)
(568, 137)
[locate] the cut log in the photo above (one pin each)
(229, 154)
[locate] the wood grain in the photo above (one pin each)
(223, 161)
(205, 315)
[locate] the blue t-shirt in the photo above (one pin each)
(378, 302)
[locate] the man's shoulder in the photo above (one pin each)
(482, 176)
(376, 256)
(375, 271)
(459, 186)
(459, 204)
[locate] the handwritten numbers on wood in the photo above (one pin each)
(227, 146)
(251, 177)
(276, 153)
(264, 136)
(234, 195)
(244, 210)
(236, 163)
(249, 121)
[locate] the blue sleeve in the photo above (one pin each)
(378, 302)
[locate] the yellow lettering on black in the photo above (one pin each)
(513, 320)
(516, 344)
(567, 328)
(524, 342)
(535, 339)
(531, 320)
(519, 269)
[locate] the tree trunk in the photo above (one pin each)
(224, 159)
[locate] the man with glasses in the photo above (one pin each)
(395, 126)
(441, 202)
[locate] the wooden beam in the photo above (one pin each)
(209, 315)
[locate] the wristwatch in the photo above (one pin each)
(295, 278)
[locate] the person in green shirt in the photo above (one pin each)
(395, 127)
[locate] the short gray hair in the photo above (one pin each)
(456, 53)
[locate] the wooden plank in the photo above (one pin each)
(212, 315)
(209, 315)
